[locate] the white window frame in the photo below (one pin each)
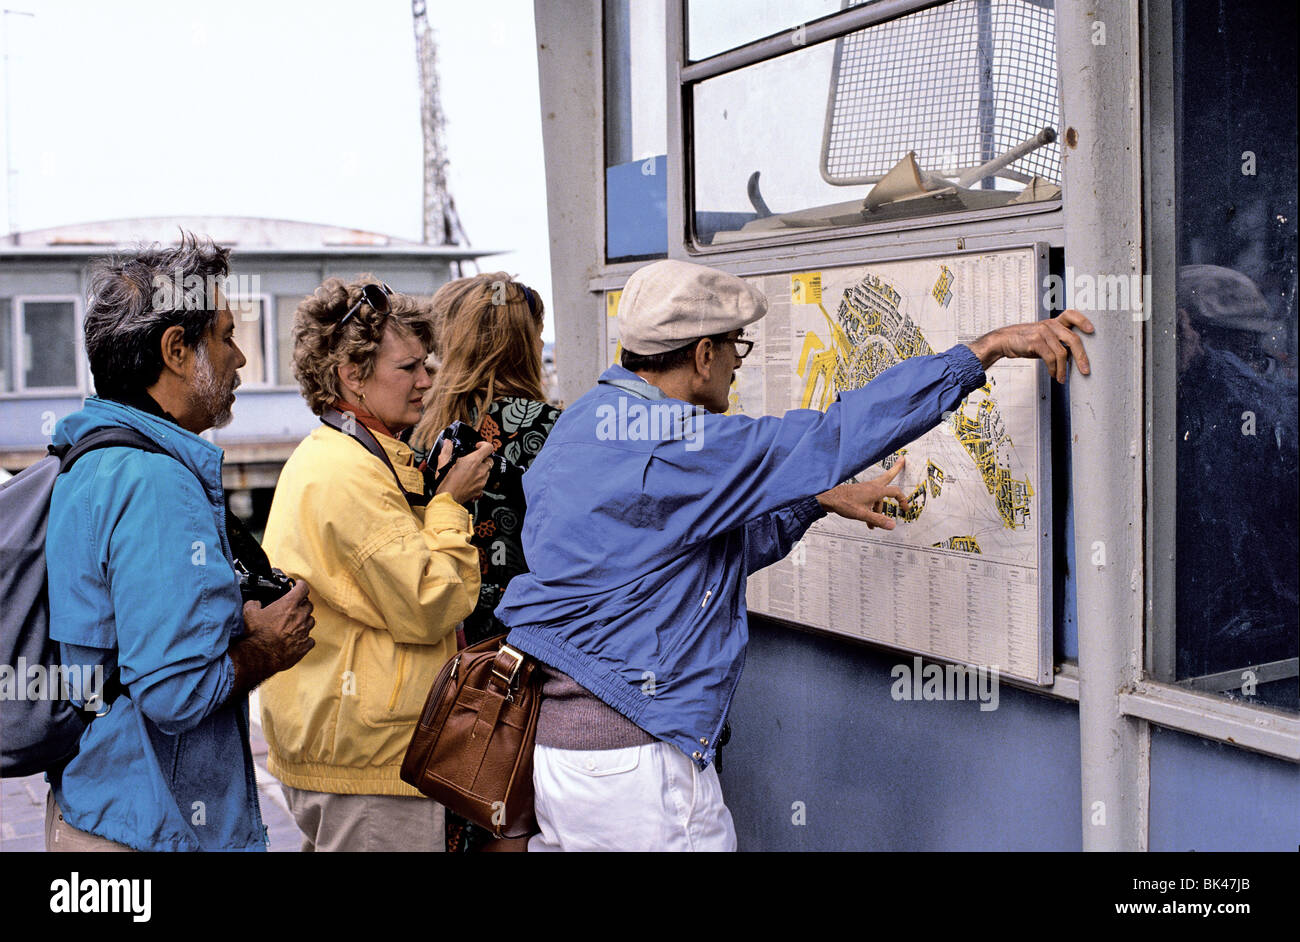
(268, 338)
(17, 323)
(8, 365)
(282, 383)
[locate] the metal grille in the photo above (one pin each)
(958, 84)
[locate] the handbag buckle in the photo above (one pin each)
(508, 680)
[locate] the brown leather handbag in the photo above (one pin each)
(473, 747)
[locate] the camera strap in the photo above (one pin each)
(359, 433)
(245, 548)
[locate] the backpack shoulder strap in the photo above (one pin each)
(68, 454)
(104, 438)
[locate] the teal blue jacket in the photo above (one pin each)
(141, 580)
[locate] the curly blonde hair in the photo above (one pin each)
(320, 347)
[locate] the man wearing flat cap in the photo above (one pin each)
(647, 510)
(1237, 559)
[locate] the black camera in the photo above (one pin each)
(464, 438)
(259, 581)
(262, 587)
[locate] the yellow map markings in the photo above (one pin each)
(806, 288)
(980, 439)
(967, 544)
(815, 367)
(915, 505)
(916, 502)
(934, 477)
(612, 299)
(822, 367)
(888, 461)
(871, 336)
(942, 290)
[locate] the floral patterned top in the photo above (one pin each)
(518, 428)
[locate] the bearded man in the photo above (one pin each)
(141, 582)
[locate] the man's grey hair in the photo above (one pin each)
(135, 298)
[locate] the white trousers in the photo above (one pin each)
(639, 798)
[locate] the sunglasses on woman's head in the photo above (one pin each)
(530, 297)
(376, 295)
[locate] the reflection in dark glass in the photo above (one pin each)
(1237, 481)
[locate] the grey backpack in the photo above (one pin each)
(39, 732)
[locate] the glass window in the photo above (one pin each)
(636, 130)
(49, 351)
(6, 346)
(950, 109)
(714, 26)
(1237, 481)
(250, 336)
(285, 306)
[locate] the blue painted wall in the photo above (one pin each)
(814, 721)
(1209, 795)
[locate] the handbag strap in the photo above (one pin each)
(507, 667)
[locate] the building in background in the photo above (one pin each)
(44, 373)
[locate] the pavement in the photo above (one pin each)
(22, 803)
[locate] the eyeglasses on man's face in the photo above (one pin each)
(743, 347)
(376, 295)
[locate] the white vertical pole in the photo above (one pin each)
(569, 54)
(1099, 56)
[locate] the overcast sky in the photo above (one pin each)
(292, 109)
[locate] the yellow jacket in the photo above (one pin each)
(389, 585)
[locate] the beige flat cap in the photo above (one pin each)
(669, 303)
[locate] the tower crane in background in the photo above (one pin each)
(441, 221)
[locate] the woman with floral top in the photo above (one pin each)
(490, 342)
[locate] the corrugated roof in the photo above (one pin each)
(246, 234)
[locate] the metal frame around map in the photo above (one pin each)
(1038, 256)
(1039, 264)
(1037, 253)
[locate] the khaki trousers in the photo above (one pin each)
(62, 837)
(366, 822)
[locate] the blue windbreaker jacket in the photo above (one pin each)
(642, 529)
(140, 578)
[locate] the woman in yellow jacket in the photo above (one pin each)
(391, 574)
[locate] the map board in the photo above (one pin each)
(965, 575)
